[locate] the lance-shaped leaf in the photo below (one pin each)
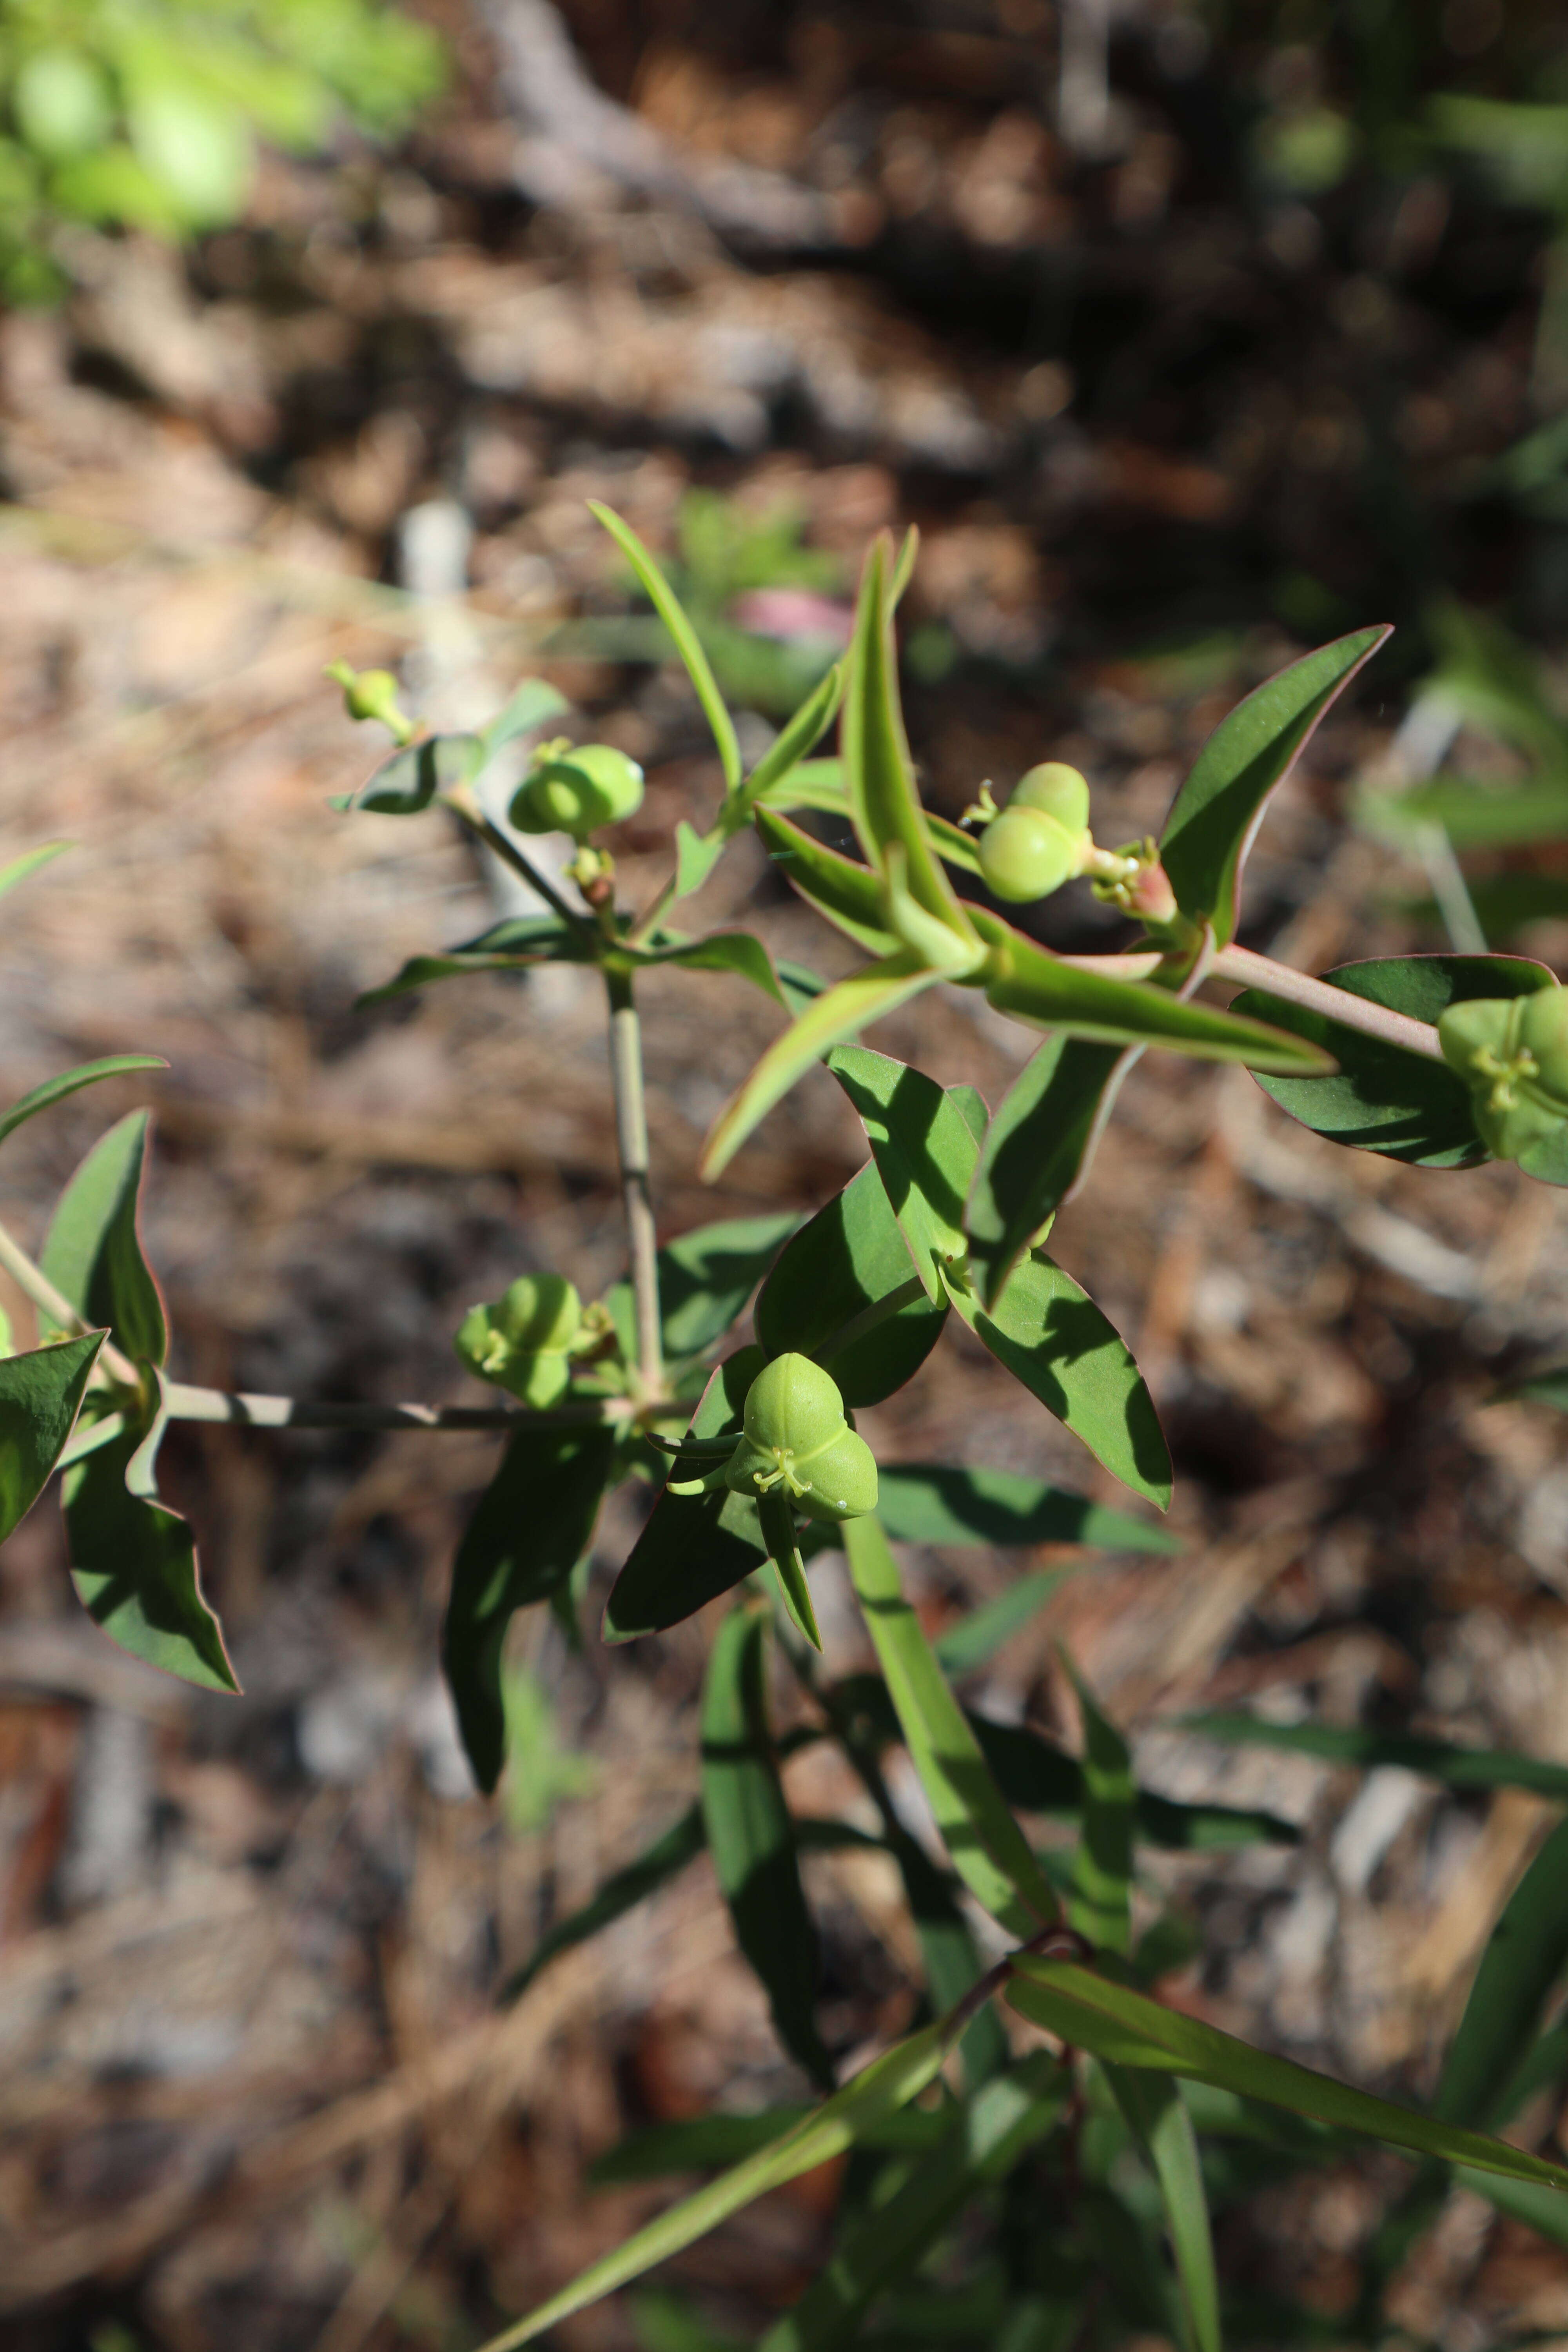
(735, 951)
(1052, 1336)
(528, 706)
(751, 1839)
(1091, 2011)
(854, 2113)
(706, 1277)
(810, 783)
(832, 1276)
(797, 737)
(1524, 1960)
(937, 1503)
(1101, 1906)
(990, 2133)
(93, 1254)
(40, 1396)
(877, 768)
(989, 1850)
(699, 1543)
(518, 944)
(846, 895)
(668, 606)
(696, 855)
(408, 782)
(19, 868)
(1034, 1149)
(69, 1082)
(1157, 2115)
(948, 1954)
(133, 1561)
(702, 2143)
(776, 1520)
(530, 1529)
(1355, 1744)
(866, 996)
(621, 1892)
(924, 1150)
(1217, 810)
(1381, 1098)
(1026, 980)
(952, 845)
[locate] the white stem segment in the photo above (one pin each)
(36, 1285)
(1250, 970)
(631, 1146)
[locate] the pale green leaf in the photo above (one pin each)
(667, 605)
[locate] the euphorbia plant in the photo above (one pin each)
(1079, 2132)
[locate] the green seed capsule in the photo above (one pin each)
(1512, 1053)
(1519, 1128)
(1060, 791)
(520, 1342)
(1543, 1035)
(795, 1437)
(539, 1311)
(1483, 1026)
(1026, 854)
(576, 792)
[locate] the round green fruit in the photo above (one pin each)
(1060, 790)
(1543, 1035)
(538, 1312)
(795, 1437)
(1481, 1026)
(1026, 854)
(577, 791)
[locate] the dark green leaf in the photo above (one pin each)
(1101, 1908)
(1218, 809)
(856, 2113)
(1540, 2209)
(846, 895)
(668, 606)
(924, 1150)
(733, 951)
(706, 1276)
(41, 1395)
(948, 1954)
(951, 1503)
(515, 945)
(750, 1840)
(980, 1633)
(526, 707)
(1381, 1098)
(1036, 1777)
(134, 1563)
(1158, 2116)
(705, 2141)
(840, 1262)
(68, 1081)
(1549, 1387)
(410, 780)
(695, 1545)
(797, 736)
(1034, 1149)
(1435, 1759)
(621, 1892)
(93, 1254)
(989, 1850)
(530, 1526)
(1524, 1959)
(1026, 980)
(1093, 2012)
(1053, 1338)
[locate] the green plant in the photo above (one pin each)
(1001, 2194)
(144, 113)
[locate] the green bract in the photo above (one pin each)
(796, 1436)
(522, 1342)
(1513, 1053)
(578, 791)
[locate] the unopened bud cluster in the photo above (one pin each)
(577, 788)
(1512, 1053)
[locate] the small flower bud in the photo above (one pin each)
(371, 693)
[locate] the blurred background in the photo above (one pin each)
(1190, 335)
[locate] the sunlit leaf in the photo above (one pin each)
(798, 736)
(515, 945)
(93, 1255)
(667, 605)
(1033, 1151)
(69, 1082)
(695, 1545)
(957, 1504)
(924, 1151)
(708, 1275)
(846, 895)
(1158, 2118)
(528, 706)
(1435, 1759)
(40, 1396)
(19, 868)
(408, 782)
(1101, 1906)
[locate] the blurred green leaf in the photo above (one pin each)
(810, 783)
(621, 1892)
(701, 2143)
(408, 782)
(531, 1525)
(751, 1839)
(19, 868)
(954, 1504)
(846, 895)
(694, 1546)
(989, 1850)
(69, 1082)
(1435, 1759)
(93, 1252)
(706, 1277)
(667, 605)
(797, 737)
(696, 855)
(1101, 1906)
(842, 1263)
(1381, 1098)
(526, 707)
(1524, 1960)
(1158, 2118)
(732, 951)
(1217, 811)
(1033, 1151)
(40, 1396)
(541, 1773)
(880, 2090)
(515, 945)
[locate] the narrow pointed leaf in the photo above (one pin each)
(516, 945)
(751, 1839)
(924, 1150)
(952, 845)
(1381, 1098)
(856, 2111)
(1215, 817)
(989, 1850)
(93, 1254)
(69, 1082)
(702, 2143)
(809, 785)
(19, 868)
(1093, 2012)
(409, 781)
(841, 1264)
(1036, 1777)
(1524, 1960)
(528, 706)
(621, 1892)
(1033, 985)
(937, 1503)
(530, 1529)
(1033, 1151)
(1101, 1908)
(734, 951)
(796, 738)
(133, 1561)
(1157, 2115)
(698, 1545)
(948, 1954)
(1053, 1338)
(845, 893)
(866, 996)
(776, 1520)
(667, 605)
(1435, 1759)
(696, 855)
(990, 2133)
(40, 1396)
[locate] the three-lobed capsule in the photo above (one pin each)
(1512, 1053)
(794, 1436)
(522, 1342)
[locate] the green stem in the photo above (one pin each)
(464, 805)
(1260, 971)
(631, 1149)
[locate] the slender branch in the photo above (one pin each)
(36, 1285)
(631, 1147)
(186, 1402)
(1251, 970)
(464, 805)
